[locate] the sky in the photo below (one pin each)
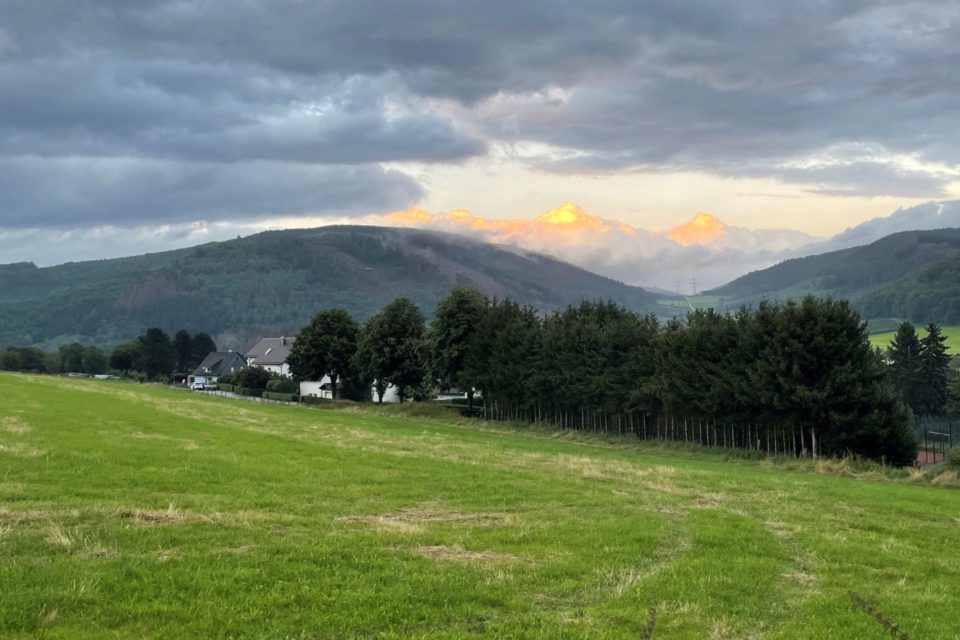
(136, 125)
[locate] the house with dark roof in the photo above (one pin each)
(271, 354)
(216, 365)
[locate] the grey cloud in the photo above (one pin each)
(867, 179)
(47, 247)
(730, 87)
(72, 192)
(8, 45)
(96, 105)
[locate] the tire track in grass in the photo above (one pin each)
(726, 584)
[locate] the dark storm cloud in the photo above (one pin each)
(71, 192)
(732, 87)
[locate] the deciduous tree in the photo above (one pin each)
(325, 347)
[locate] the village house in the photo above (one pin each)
(216, 365)
(271, 354)
(317, 389)
(323, 389)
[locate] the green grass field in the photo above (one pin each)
(139, 512)
(952, 334)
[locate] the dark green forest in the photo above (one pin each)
(929, 294)
(908, 275)
(797, 379)
(273, 282)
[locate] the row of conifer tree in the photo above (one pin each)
(798, 379)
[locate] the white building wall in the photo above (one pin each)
(313, 389)
(279, 369)
(389, 395)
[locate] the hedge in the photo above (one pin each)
(281, 397)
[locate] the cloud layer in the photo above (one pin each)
(120, 113)
(704, 249)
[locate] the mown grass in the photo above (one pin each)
(133, 511)
(952, 334)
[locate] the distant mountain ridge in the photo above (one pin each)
(885, 278)
(931, 215)
(273, 282)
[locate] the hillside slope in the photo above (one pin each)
(850, 273)
(147, 512)
(275, 281)
(930, 294)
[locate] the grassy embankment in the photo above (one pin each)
(131, 511)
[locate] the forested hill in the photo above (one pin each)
(930, 294)
(273, 282)
(850, 273)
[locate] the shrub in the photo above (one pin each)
(953, 458)
(280, 397)
(283, 385)
(252, 378)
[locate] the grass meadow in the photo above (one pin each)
(133, 511)
(952, 334)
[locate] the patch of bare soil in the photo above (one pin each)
(456, 553)
(15, 425)
(800, 577)
(151, 516)
(414, 519)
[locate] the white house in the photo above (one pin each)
(271, 354)
(390, 394)
(323, 389)
(320, 389)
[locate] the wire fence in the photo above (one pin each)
(936, 437)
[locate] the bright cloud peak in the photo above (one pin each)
(704, 229)
(570, 215)
(614, 248)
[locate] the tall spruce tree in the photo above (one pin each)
(505, 352)
(819, 372)
(934, 372)
(904, 355)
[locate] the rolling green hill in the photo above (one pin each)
(132, 511)
(857, 273)
(273, 282)
(930, 294)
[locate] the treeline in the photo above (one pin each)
(157, 357)
(796, 379)
(152, 356)
(69, 358)
(920, 368)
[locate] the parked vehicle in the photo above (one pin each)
(198, 386)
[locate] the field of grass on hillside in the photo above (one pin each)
(952, 334)
(136, 511)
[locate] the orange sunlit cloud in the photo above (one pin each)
(701, 247)
(703, 229)
(567, 224)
